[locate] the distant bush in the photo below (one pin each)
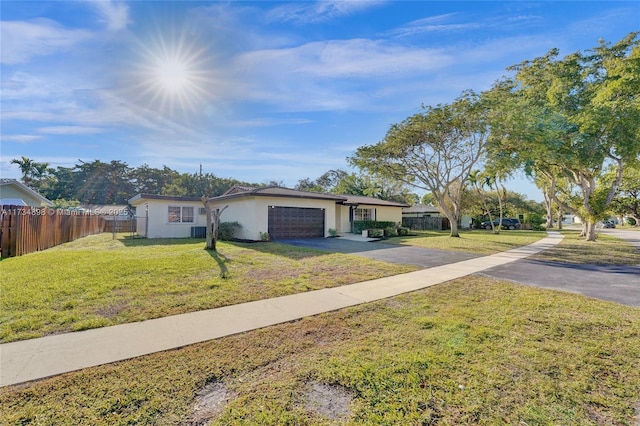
(391, 231)
(227, 230)
(536, 221)
(631, 221)
(376, 233)
(403, 231)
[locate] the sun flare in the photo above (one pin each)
(172, 75)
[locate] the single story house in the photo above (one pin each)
(162, 216)
(16, 193)
(280, 212)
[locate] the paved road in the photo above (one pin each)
(409, 255)
(620, 284)
(632, 237)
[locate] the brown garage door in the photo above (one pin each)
(295, 222)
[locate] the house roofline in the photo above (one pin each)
(32, 192)
(285, 193)
(133, 200)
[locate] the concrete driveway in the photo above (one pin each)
(408, 255)
(620, 284)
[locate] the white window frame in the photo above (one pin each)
(181, 215)
(364, 214)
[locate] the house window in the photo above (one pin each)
(179, 214)
(364, 214)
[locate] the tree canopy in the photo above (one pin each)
(115, 182)
(570, 119)
(435, 151)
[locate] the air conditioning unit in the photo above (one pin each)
(198, 232)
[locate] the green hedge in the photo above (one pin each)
(227, 230)
(361, 225)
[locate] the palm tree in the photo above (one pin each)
(27, 167)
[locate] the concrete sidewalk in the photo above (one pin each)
(48, 356)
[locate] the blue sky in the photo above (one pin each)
(259, 91)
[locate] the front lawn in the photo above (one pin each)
(97, 281)
(476, 241)
(607, 250)
(469, 352)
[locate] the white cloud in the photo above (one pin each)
(22, 85)
(114, 15)
(70, 130)
(319, 11)
(365, 58)
(314, 75)
(19, 138)
(22, 40)
(438, 23)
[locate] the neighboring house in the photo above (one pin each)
(568, 219)
(280, 212)
(420, 210)
(161, 216)
(13, 192)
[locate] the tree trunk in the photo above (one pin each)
(213, 222)
(560, 214)
(548, 203)
(451, 215)
(454, 228)
(590, 231)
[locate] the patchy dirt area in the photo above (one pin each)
(332, 402)
(210, 401)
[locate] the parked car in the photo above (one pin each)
(608, 224)
(507, 223)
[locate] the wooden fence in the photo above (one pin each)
(120, 225)
(28, 229)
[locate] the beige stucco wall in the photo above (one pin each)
(158, 225)
(12, 191)
(240, 210)
(386, 213)
(342, 219)
(252, 212)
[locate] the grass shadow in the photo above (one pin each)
(222, 261)
(280, 249)
(129, 241)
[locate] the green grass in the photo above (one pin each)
(97, 281)
(476, 241)
(473, 351)
(607, 250)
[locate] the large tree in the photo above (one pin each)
(627, 200)
(434, 151)
(571, 118)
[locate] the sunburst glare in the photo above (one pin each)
(173, 75)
